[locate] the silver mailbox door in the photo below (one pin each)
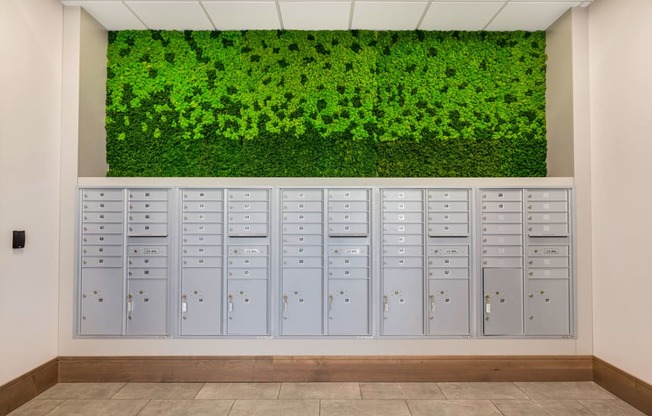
(547, 307)
(503, 301)
(101, 302)
(448, 307)
(201, 304)
(302, 302)
(348, 307)
(147, 307)
(247, 307)
(402, 306)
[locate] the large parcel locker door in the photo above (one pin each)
(402, 302)
(101, 302)
(201, 301)
(147, 307)
(503, 301)
(348, 307)
(247, 307)
(302, 302)
(547, 307)
(448, 307)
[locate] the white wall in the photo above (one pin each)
(30, 135)
(621, 141)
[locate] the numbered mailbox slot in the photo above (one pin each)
(348, 272)
(248, 262)
(502, 262)
(509, 240)
(402, 262)
(448, 230)
(548, 217)
(101, 251)
(101, 194)
(547, 230)
(448, 206)
(548, 262)
(508, 206)
(244, 273)
(547, 195)
(349, 217)
(248, 230)
(301, 251)
(148, 272)
(202, 206)
(348, 195)
(502, 217)
(448, 217)
(502, 228)
(90, 261)
(348, 206)
(347, 262)
(200, 239)
(402, 206)
(202, 228)
(405, 229)
(289, 261)
(348, 230)
(202, 251)
(248, 194)
(147, 206)
(448, 273)
(302, 217)
(550, 206)
(202, 217)
(139, 229)
(502, 195)
(247, 217)
(302, 206)
(102, 217)
(448, 195)
(302, 195)
(502, 251)
(147, 195)
(402, 217)
(102, 206)
(402, 194)
(202, 195)
(405, 240)
(202, 262)
(448, 262)
(101, 228)
(143, 217)
(403, 251)
(101, 239)
(147, 261)
(545, 273)
(303, 240)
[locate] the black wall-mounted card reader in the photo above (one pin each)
(19, 239)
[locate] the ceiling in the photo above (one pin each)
(327, 14)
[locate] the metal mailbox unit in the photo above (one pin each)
(248, 262)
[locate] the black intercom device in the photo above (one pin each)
(19, 239)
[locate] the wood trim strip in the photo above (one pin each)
(24, 388)
(325, 368)
(624, 385)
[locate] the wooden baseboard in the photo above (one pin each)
(325, 368)
(627, 387)
(24, 388)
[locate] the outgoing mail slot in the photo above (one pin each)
(205, 251)
(402, 262)
(447, 262)
(500, 240)
(302, 251)
(148, 217)
(402, 251)
(402, 206)
(448, 195)
(448, 251)
(543, 273)
(102, 206)
(89, 261)
(202, 194)
(502, 262)
(202, 206)
(147, 262)
(101, 194)
(200, 239)
(402, 194)
(393, 228)
(502, 195)
(137, 230)
(348, 206)
(305, 240)
(138, 206)
(147, 195)
(544, 230)
(344, 230)
(237, 273)
(302, 206)
(302, 217)
(247, 262)
(445, 206)
(548, 262)
(102, 228)
(402, 217)
(448, 273)
(201, 262)
(348, 217)
(247, 217)
(507, 217)
(248, 230)
(302, 195)
(192, 228)
(250, 251)
(202, 217)
(509, 206)
(442, 230)
(102, 217)
(348, 262)
(502, 228)
(101, 251)
(348, 273)
(101, 239)
(248, 194)
(148, 251)
(405, 240)
(548, 251)
(547, 195)
(448, 217)
(289, 261)
(547, 206)
(148, 272)
(302, 228)
(348, 195)
(502, 251)
(348, 251)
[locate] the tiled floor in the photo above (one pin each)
(326, 399)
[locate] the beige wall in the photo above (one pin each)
(621, 148)
(30, 135)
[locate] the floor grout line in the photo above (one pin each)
(143, 408)
(230, 408)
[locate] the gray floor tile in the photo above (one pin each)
(177, 391)
(611, 408)
(275, 408)
(327, 391)
(81, 391)
(520, 408)
(99, 408)
(452, 408)
(568, 390)
(187, 408)
(482, 391)
(384, 391)
(36, 408)
(563, 407)
(364, 408)
(251, 391)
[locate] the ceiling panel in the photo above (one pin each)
(332, 15)
(529, 15)
(113, 15)
(374, 15)
(241, 15)
(171, 15)
(460, 15)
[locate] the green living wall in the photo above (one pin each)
(335, 104)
